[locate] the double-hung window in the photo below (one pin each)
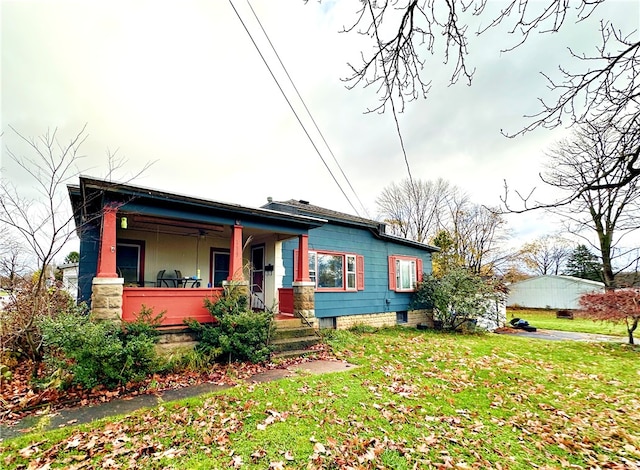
(404, 273)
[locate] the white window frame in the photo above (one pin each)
(351, 275)
(401, 274)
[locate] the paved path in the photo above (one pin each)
(555, 335)
(73, 416)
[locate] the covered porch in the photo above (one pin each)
(169, 253)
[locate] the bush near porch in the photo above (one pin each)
(239, 333)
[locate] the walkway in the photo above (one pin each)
(555, 335)
(74, 416)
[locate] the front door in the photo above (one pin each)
(129, 262)
(257, 277)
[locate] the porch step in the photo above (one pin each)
(288, 323)
(296, 332)
(292, 338)
(292, 353)
(287, 344)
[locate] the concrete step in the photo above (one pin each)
(292, 353)
(289, 323)
(288, 344)
(293, 332)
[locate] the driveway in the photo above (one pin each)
(555, 335)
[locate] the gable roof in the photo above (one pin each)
(560, 278)
(378, 229)
(303, 207)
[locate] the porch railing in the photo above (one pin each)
(178, 304)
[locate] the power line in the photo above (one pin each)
(291, 106)
(305, 107)
(393, 106)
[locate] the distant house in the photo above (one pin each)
(552, 292)
(70, 278)
(165, 251)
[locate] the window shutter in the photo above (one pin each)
(359, 272)
(419, 269)
(392, 273)
(295, 265)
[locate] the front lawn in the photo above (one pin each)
(546, 319)
(419, 399)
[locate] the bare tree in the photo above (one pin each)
(609, 211)
(545, 255)
(13, 262)
(43, 222)
(478, 234)
(603, 87)
(413, 209)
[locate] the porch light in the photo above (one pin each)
(123, 222)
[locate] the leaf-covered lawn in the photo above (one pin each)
(418, 400)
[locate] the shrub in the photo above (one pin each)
(100, 352)
(21, 316)
(456, 297)
(240, 333)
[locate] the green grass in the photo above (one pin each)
(418, 399)
(546, 319)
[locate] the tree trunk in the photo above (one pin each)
(632, 328)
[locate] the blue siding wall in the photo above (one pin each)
(89, 247)
(376, 296)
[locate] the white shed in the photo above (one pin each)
(553, 292)
(70, 278)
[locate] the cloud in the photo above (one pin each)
(181, 83)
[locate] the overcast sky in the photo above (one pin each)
(180, 83)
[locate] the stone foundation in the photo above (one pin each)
(106, 299)
(380, 320)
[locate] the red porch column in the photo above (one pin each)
(303, 259)
(107, 255)
(235, 261)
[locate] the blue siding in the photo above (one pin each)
(376, 296)
(88, 266)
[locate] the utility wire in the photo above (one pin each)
(291, 106)
(393, 106)
(305, 107)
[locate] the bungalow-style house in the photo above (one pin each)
(168, 252)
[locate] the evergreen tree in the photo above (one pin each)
(584, 264)
(72, 257)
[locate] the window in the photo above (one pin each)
(330, 271)
(404, 273)
(402, 317)
(335, 271)
(219, 267)
(351, 272)
(312, 265)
